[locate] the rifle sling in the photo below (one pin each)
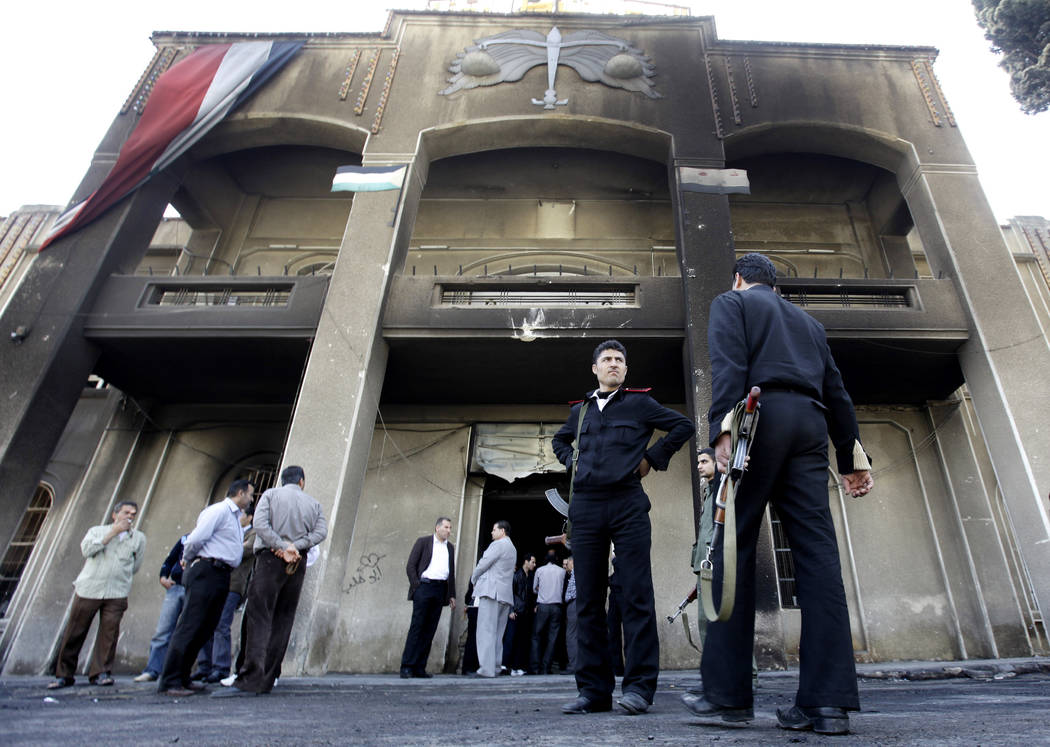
(575, 458)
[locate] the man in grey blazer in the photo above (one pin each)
(493, 580)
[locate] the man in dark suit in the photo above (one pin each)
(756, 338)
(431, 570)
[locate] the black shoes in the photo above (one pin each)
(584, 704)
(633, 703)
(822, 720)
(409, 674)
(232, 692)
(700, 706)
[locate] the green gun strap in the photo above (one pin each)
(575, 458)
(728, 565)
(728, 544)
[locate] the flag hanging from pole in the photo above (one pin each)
(368, 178)
(187, 102)
(714, 181)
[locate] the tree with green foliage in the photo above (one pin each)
(1019, 30)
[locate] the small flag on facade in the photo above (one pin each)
(714, 181)
(368, 178)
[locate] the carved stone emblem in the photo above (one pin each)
(506, 57)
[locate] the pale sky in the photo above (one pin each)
(68, 66)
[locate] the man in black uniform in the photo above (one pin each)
(609, 504)
(758, 338)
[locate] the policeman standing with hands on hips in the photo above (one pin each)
(756, 338)
(608, 503)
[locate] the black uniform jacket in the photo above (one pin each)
(419, 561)
(755, 337)
(614, 440)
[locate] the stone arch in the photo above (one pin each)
(856, 143)
(593, 133)
(260, 129)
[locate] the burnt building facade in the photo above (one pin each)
(414, 349)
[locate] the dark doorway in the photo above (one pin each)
(523, 504)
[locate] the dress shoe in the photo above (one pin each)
(178, 692)
(195, 686)
(199, 676)
(700, 706)
(822, 720)
(146, 677)
(633, 703)
(584, 704)
(102, 680)
(406, 674)
(60, 683)
(214, 678)
(422, 675)
(232, 692)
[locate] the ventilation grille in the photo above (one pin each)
(620, 296)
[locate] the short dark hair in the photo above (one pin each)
(707, 450)
(504, 525)
(125, 503)
(756, 268)
(237, 486)
(292, 475)
(441, 519)
(607, 345)
(527, 557)
(552, 556)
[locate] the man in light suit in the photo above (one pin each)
(493, 580)
(431, 571)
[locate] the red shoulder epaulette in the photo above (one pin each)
(641, 389)
(575, 402)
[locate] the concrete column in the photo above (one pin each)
(44, 374)
(899, 262)
(706, 255)
(336, 411)
(1006, 361)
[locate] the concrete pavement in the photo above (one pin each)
(960, 703)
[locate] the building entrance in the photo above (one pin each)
(523, 504)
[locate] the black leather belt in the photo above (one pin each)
(222, 565)
(786, 388)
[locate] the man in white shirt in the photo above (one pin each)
(431, 571)
(548, 585)
(211, 551)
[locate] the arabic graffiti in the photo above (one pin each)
(367, 572)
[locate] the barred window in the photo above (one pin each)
(21, 547)
(785, 563)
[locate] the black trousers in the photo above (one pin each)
(789, 467)
(620, 516)
(522, 646)
(545, 629)
(206, 588)
(427, 603)
(273, 597)
(614, 622)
